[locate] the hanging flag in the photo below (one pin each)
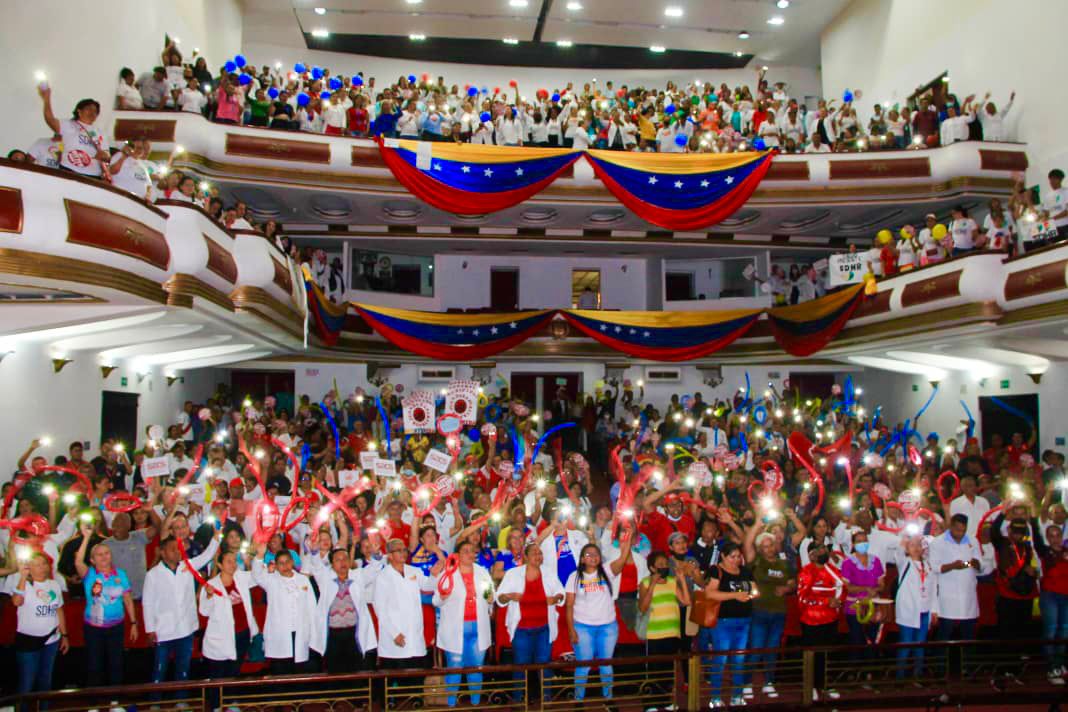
(329, 318)
(681, 191)
(462, 398)
(471, 179)
(804, 329)
(664, 336)
(453, 337)
(419, 413)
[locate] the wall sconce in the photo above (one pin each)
(171, 380)
(1036, 378)
(59, 363)
(105, 371)
(143, 375)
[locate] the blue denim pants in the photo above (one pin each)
(595, 642)
(765, 631)
(730, 634)
(530, 645)
(470, 657)
(912, 635)
(35, 668)
(1054, 608)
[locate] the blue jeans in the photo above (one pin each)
(729, 634)
(912, 635)
(35, 668)
(1054, 607)
(182, 650)
(765, 631)
(595, 642)
(530, 645)
(470, 657)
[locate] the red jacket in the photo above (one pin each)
(817, 586)
(658, 527)
(1055, 572)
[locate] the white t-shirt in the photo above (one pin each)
(131, 97)
(45, 152)
(998, 238)
(813, 148)
(594, 604)
(1055, 202)
(906, 255)
(134, 176)
(931, 247)
(192, 101)
(39, 613)
(580, 139)
(80, 146)
(963, 232)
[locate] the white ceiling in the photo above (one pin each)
(706, 25)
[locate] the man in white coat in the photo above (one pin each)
(955, 559)
(169, 606)
(399, 607)
(344, 632)
(291, 616)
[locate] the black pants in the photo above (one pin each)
(217, 669)
(817, 636)
(103, 650)
(287, 666)
(342, 653)
(414, 663)
(1014, 616)
(665, 646)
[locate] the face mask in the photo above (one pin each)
(862, 547)
(822, 559)
(678, 556)
(663, 572)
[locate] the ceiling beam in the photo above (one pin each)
(543, 15)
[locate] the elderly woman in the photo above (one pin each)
(863, 573)
(775, 575)
(916, 605)
(41, 628)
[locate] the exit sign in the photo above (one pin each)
(1005, 383)
(915, 388)
(123, 381)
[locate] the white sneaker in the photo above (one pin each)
(747, 691)
(737, 701)
(715, 703)
(815, 695)
(833, 694)
(769, 690)
(1055, 678)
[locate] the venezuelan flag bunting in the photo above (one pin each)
(804, 329)
(680, 191)
(664, 336)
(329, 318)
(470, 179)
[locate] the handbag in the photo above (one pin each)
(704, 611)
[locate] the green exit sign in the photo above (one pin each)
(123, 381)
(915, 388)
(1005, 383)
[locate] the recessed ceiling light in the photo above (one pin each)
(518, 3)
(574, 6)
(743, 35)
(417, 37)
(777, 20)
(321, 33)
(783, 4)
(414, 2)
(737, 54)
(320, 11)
(673, 11)
(657, 48)
(564, 43)
(511, 40)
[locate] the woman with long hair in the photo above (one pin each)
(591, 617)
(731, 585)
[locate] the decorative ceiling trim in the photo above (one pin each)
(182, 288)
(67, 269)
(103, 229)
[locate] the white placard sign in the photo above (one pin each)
(197, 492)
(348, 478)
(437, 460)
(419, 415)
(385, 468)
(155, 467)
(462, 399)
(847, 268)
(368, 459)
(700, 473)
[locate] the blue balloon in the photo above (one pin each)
(472, 91)
(357, 81)
(555, 98)
(240, 60)
(303, 99)
(244, 79)
(847, 96)
(484, 116)
(324, 95)
(273, 93)
(485, 90)
(230, 67)
(515, 112)
(317, 73)
(411, 79)
(759, 145)
(473, 435)
(299, 68)
(630, 103)
(681, 140)
(335, 83)
(669, 109)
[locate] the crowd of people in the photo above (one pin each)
(663, 527)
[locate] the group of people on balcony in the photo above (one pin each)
(627, 532)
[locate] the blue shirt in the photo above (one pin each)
(565, 559)
(103, 595)
(268, 557)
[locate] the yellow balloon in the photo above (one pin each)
(884, 237)
(938, 231)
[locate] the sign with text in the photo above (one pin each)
(437, 460)
(348, 478)
(847, 268)
(155, 467)
(385, 468)
(368, 459)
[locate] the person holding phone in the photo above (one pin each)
(41, 629)
(732, 585)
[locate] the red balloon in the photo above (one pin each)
(496, 90)
(426, 76)
(513, 83)
(620, 93)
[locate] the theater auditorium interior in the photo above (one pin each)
(533, 354)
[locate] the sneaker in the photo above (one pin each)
(769, 690)
(815, 695)
(1055, 678)
(833, 694)
(715, 704)
(737, 701)
(747, 691)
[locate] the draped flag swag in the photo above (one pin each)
(470, 179)
(800, 330)
(680, 191)
(804, 329)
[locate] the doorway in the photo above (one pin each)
(811, 385)
(581, 280)
(995, 419)
(678, 286)
(118, 417)
(539, 390)
(504, 289)
(259, 384)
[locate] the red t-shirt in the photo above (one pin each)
(658, 527)
(240, 619)
(1054, 572)
(628, 578)
(533, 606)
(358, 120)
(817, 586)
(470, 598)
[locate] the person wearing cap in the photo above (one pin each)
(774, 574)
(659, 526)
(398, 604)
(1016, 575)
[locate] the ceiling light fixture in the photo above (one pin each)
(518, 3)
(321, 33)
(743, 35)
(414, 2)
(511, 40)
(737, 54)
(657, 48)
(417, 38)
(574, 6)
(564, 43)
(673, 11)
(782, 4)
(777, 20)
(320, 11)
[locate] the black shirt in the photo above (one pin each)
(741, 581)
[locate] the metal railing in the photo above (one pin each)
(976, 673)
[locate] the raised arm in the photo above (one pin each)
(49, 117)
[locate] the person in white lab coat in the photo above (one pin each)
(288, 629)
(231, 625)
(916, 605)
(955, 559)
(344, 632)
(464, 595)
(398, 605)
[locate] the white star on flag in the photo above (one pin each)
(513, 325)
(493, 330)
(519, 171)
(437, 166)
(618, 329)
(704, 184)
(678, 184)
(459, 331)
(632, 331)
(652, 180)
(475, 332)
(729, 179)
(488, 172)
(645, 334)
(466, 169)
(604, 328)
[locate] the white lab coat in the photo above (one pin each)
(277, 641)
(399, 608)
(958, 596)
(168, 600)
(913, 598)
(218, 641)
(451, 626)
(326, 580)
(575, 540)
(515, 581)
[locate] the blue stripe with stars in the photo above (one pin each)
(673, 191)
(459, 335)
(664, 337)
(477, 177)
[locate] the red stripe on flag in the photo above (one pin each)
(657, 353)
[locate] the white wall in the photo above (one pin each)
(802, 80)
(887, 48)
(82, 44)
(66, 406)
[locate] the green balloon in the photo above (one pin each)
(695, 100)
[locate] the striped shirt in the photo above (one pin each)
(663, 610)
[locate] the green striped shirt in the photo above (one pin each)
(663, 610)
